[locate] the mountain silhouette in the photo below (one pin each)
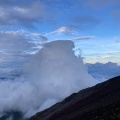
(100, 102)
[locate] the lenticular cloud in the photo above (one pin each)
(52, 74)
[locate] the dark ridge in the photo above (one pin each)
(100, 102)
(12, 115)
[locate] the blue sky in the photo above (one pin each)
(94, 26)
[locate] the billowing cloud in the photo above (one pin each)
(52, 74)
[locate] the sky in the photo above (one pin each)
(26, 25)
(49, 28)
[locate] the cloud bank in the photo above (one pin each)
(103, 71)
(16, 46)
(20, 13)
(53, 74)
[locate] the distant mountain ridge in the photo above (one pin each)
(100, 102)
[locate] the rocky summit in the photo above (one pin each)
(100, 102)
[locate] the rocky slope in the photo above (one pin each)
(101, 102)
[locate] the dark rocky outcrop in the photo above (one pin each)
(101, 102)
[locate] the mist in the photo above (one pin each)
(51, 75)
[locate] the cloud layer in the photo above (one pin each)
(104, 71)
(16, 46)
(20, 13)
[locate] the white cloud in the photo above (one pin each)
(64, 30)
(53, 74)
